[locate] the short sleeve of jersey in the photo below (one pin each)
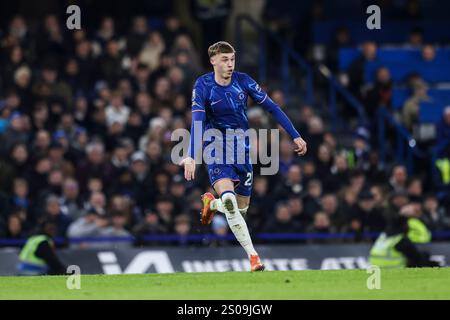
(198, 97)
(253, 89)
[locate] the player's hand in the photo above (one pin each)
(300, 146)
(189, 168)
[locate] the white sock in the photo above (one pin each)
(217, 204)
(243, 211)
(237, 223)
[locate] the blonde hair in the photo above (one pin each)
(220, 47)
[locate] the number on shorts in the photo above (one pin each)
(249, 181)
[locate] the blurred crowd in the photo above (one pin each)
(85, 126)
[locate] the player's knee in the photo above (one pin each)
(229, 201)
(243, 211)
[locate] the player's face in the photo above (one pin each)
(223, 64)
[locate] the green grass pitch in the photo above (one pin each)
(331, 284)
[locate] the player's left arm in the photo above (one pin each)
(263, 99)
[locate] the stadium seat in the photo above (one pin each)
(430, 112)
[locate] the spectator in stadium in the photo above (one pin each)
(356, 71)
(53, 186)
(296, 206)
(71, 204)
(380, 94)
(56, 153)
(22, 86)
(178, 192)
(415, 187)
(262, 204)
(397, 199)
(16, 133)
(415, 38)
(106, 32)
(186, 56)
(142, 181)
(410, 110)
(358, 181)
(379, 196)
(306, 115)
(53, 214)
(311, 199)
(358, 156)
(90, 224)
(18, 34)
(86, 64)
(94, 165)
(117, 111)
(315, 134)
(111, 62)
(365, 217)
(321, 226)
(324, 162)
(292, 185)
(51, 87)
(137, 35)
(434, 215)
(164, 208)
(339, 173)
(150, 226)
(309, 172)
(116, 228)
(330, 206)
(342, 39)
(20, 197)
(51, 43)
(41, 141)
(151, 51)
(398, 179)
(15, 228)
(182, 229)
(428, 53)
(15, 166)
(13, 62)
(286, 157)
(282, 221)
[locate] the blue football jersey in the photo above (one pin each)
(225, 106)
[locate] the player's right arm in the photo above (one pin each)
(197, 127)
(263, 99)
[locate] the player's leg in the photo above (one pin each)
(225, 188)
(211, 205)
(243, 191)
(236, 221)
(243, 204)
